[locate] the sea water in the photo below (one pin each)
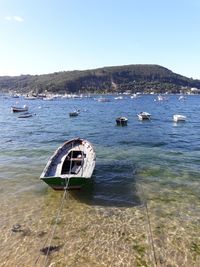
(143, 206)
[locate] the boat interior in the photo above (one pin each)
(73, 162)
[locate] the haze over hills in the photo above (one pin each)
(134, 78)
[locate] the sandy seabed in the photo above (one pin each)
(163, 232)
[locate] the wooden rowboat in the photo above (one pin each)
(71, 166)
(19, 109)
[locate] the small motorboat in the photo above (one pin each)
(19, 109)
(25, 115)
(178, 117)
(103, 99)
(119, 98)
(162, 98)
(74, 113)
(71, 166)
(144, 116)
(121, 121)
(182, 97)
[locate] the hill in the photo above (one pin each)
(135, 78)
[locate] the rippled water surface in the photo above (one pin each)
(143, 206)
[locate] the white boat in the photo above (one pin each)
(178, 117)
(182, 97)
(30, 97)
(161, 98)
(48, 98)
(19, 109)
(119, 97)
(144, 116)
(103, 99)
(135, 95)
(15, 96)
(71, 166)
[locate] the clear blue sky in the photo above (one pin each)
(45, 36)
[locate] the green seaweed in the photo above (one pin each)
(139, 249)
(141, 262)
(195, 247)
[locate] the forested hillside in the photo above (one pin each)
(135, 78)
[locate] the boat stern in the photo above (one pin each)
(58, 183)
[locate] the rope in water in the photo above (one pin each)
(150, 234)
(52, 232)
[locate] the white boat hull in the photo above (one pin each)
(178, 118)
(144, 116)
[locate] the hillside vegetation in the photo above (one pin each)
(135, 78)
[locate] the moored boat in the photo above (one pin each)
(28, 97)
(178, 117)
(162, 98)
(103, 99)
(25, 115)
(182, 97)
(144, 116)
(119, 97)
(71, 166)
(19, 109)
(121, 121)
(74, 113)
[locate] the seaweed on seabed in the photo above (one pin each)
(48, 250)
(16, 228)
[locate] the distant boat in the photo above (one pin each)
(48, 98)
(161, 98)
(178, 117)
(136, 95)
(103, 99)
(74, 113)
(25, 115)
(119, 97)
(182, 97)
(19, 109)
(144, 116)
(30, 97)
(71, 166)
(121, 121)
(15, 96)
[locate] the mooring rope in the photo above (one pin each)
(52, 231)
(150, 234)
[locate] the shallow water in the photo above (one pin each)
(143, 206)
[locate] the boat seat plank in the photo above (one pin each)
(75, 169)
(76, 159)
